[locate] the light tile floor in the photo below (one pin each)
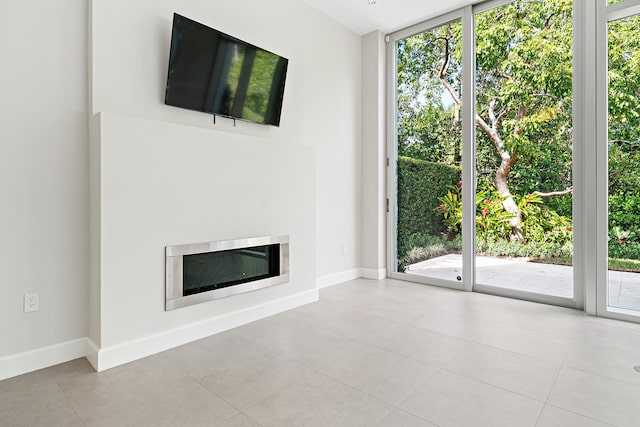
(370, 353)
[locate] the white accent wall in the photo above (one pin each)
(123, 47)
(170, 176)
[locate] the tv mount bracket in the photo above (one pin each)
(234, 120)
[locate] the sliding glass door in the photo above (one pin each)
(428, 153)
(622, 293)
(515, 134)
(524, 140)
(483, 197)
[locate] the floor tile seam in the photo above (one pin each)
(361, 390)
(515, 353)
(68, 403)
(272, 351)
(553, 385)
(327, 375)
(378, 316)
(275, 354)
(627, 326)
(607, 377)
(27, 384)
(462, 338)
(494, 386)
(237, 409)
(540, 359)
(317, 370)
(579, 414)
(411, 414)
(476, 341)
(364, 313)
(414, 392)
(390, 406)
(564, 337)
(386, 349)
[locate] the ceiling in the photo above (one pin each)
(385, 15)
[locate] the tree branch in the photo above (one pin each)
(522, 111)
(547, 23)
(554, 193)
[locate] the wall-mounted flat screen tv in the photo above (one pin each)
(216, 73)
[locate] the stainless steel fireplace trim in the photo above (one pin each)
(173, 256)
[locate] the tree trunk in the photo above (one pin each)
(507, 160)
(508, 203)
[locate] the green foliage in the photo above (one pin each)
(524, 63)
(624, 73)
(539, 224)
(623, 236)
(419, 184)
(426, 247)
(524, 87)
(627, 251)
(429, 126)
(492, 221)
(624, 138)
(522, 249)
(451, 209)
(632, 265)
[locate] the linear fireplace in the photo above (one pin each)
(205, 271)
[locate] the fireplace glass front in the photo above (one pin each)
(216, 270)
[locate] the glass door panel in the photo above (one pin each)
(623, 289)
(429, 154)
(524, 229)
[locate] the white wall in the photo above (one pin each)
(43, 173)
(373, 155)
(163, 184)
(332, 117)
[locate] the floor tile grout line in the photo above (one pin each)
(500, 322)
(240, 411)
(582, 415)
(605, 377)
(314, 370)
(493, 385)
(415, 391)
(351, 387)
(460, 338)
(478, 318)
(68, 402)
(386, 349)
(555, 380)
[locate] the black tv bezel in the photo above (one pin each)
(235, 40)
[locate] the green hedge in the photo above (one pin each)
(420, 184)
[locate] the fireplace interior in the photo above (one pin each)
(201, 272)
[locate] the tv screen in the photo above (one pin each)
(216, 73)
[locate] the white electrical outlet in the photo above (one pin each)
(31, 302)
(345, 249)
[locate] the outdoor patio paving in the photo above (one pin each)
(520, 274)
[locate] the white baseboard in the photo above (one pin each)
(105, 358)
(92, 350)
(110, 357)
(370, 273)
(29, 361)
(334, 279)
(345, 276)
